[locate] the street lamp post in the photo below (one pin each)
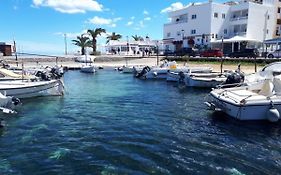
(157, 53)
(222, 53)
(65, 44)
(128, 47)
(182, 38)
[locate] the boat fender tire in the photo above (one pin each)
(273, 114)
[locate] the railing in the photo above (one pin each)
(238, 34)
(176, 22)
(239, 18)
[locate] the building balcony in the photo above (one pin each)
(238, 34)
(239, 18)
(176, 22)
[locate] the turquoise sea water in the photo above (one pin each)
(111, 123)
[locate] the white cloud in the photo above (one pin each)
(173, 7)
(132, 18)
(71, 35)
(69, 6)
(147, 19)
(145, 12)
(130, 23)
(104, 21)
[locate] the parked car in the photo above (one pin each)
(249, 53)
(275, 54)
(186, 52)
(211, 53)
(169, 53)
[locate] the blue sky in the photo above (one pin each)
(38, 25)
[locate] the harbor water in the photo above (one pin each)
(112, 123)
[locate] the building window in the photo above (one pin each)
(193, 31)
(169, 34)
(193, 16)
(216, 35)
(278, 10)
(178, 33)
(267, 16)
(223, 16)
(225, 31)
(277, 31)
(213, 36)
(267, 31)
(216, 15)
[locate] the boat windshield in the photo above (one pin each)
(273, 67)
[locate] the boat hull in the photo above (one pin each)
(24, 89)
(128, 70)
(243, 111)
(88, 69)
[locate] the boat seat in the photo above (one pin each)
(277, 86)
(267, 88)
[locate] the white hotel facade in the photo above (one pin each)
(209, 24)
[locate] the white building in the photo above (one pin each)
(140, 48)
(206, 24)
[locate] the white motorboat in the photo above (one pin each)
(204, 80)
(174, 75)
(8, 103)
(88, 69)
(128, 69)
(27, 88)
(259, 99)
(162, 71)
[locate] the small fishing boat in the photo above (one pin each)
(8, 103)
(6, 75)
(162, 71)
(27, 88)
(204, 80)
(88, 68)
(128, 69)
(259, 98)
(174, 75)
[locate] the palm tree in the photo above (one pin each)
(137, 38)
(83, 42)
(114, 36)
(94, 34)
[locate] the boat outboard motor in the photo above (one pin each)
(55, 73)
(234, 78)
(42, 75)
(182, 76)
(143, 72)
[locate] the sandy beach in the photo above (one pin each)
(116, 61)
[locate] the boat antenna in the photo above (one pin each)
(22, 69)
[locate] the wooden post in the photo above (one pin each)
(255, 64)
(222, 64)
